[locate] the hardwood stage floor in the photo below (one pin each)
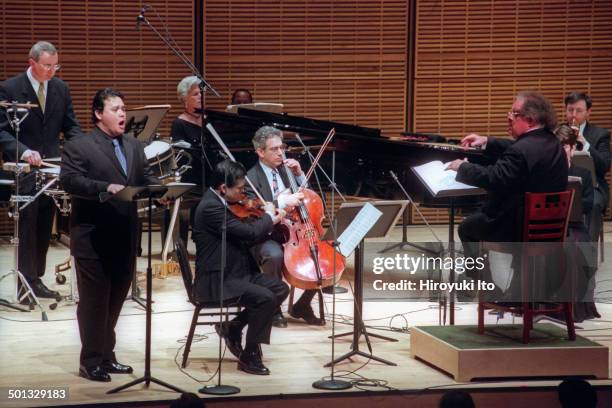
(37, 354)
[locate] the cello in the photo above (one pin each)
(309, 261)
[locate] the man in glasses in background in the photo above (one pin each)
(39, 138)
(596, 142)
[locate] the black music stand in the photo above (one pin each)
(132, 194)
(142, 122)
(391, 210)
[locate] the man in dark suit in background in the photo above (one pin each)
(596, 141)
(270, 178)
(39, 139)
(259, 294)
(534, 161)
(103, 235)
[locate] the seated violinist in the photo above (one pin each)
(270, 177)
(260, 295)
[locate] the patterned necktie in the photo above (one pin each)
(120, 156)
(41, 96)
(274, 182)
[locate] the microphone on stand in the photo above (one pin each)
(141, 17)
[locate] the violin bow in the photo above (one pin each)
(312, 168)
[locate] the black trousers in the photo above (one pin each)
(35, 224)
(103, 286)
(270, 257)
(595, 220)
(262, 296)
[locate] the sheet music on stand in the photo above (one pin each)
(142, 122)
(358, 228)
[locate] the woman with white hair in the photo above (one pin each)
(188, 127)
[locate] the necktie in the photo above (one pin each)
(120, 156)
(41, 96)
(274, 182)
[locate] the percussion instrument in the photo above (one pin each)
(162, 161)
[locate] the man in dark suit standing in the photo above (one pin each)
(103, 234)
(533, 162)
(596, 141)
(259, 294)
(39, 139)
(270, 178)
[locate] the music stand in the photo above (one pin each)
(142, 122)
(583, 159)
(131, 194)
(391, 210)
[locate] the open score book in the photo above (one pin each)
(442, 183)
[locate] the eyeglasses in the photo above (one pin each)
(577, 111)
(514, 114)
(49, 67)
(281, 148)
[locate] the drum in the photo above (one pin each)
(160, 156)
(59, 196)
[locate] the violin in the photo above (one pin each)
(247, 208)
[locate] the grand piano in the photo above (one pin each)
(364, 157)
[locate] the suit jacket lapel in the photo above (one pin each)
(130, 156)
(51, 98)
(28, 95)
(106, 147)
(263, 184)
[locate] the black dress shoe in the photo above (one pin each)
(115, 367)
(278, 320)
(232, 337)
(306, 313)
(250, 362)
(94, 373)
(330, 290)
(41, 291)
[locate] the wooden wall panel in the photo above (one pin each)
(341, 60)
(473, 57)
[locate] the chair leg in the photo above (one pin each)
(569, 320)
(527, 321)
(194, 321)
(291, 294)
(481, 310)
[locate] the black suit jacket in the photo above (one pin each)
(599, 141)
(39, 131)
(241, 234)
(258, 177)
(535, 162)
(100, 230)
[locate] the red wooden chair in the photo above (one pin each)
(545, 219)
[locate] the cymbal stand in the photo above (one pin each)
(15, 200)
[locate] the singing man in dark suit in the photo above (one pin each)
(39, 139)
(270, 178)
(596, 141)
(103, 235)
(259, 294)
(533, 162)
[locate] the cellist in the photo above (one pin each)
(259, 294)
(269, 177)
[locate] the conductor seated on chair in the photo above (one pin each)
(258, 293)
(532, 161)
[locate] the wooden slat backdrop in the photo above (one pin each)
(472, 57)
(342, 60)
